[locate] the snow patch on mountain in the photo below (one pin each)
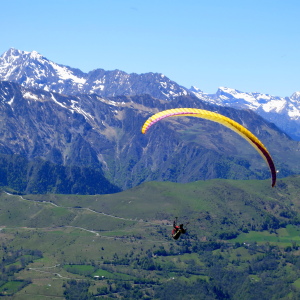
(30, 95)
(78, 109)
(57, 102)
(66, 74)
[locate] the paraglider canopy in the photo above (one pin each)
(209, 115)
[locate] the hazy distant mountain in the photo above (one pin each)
(284, 112)
(32, 70)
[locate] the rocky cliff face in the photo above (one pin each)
(104, 134)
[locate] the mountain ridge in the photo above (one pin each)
(32, 70)
(284, 112)
(36, 71)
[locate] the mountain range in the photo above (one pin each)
(284, 112)
(32, 70)
(93, 120)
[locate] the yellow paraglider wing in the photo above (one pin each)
(209, 115)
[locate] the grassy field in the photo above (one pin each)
(10, 287)
(210, 206)
(282, 237)
(86, 236)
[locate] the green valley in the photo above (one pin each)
(242, 242)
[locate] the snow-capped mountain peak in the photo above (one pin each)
(258, 102)
(32, 70)
(14, 56)
(241, 99)
(284, 112)
(295, 96)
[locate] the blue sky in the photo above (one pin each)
(249, 45)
